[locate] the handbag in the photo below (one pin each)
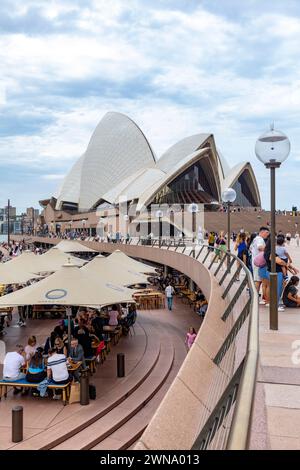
(259, 260)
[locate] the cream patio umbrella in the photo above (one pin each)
(52, 261)
(18, 269)
(72, 246)
(110, 269)
(132, 265)
(69, 286)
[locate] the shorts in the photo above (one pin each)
(256, 275)
(263, 273)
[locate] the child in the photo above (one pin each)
(190, 337)
(282, 253)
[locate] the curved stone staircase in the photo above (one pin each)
(123, 410)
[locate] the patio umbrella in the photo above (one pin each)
(18, 269)
(69, 246)
(110, 269)
(131, 264)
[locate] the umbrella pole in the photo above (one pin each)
(69, 313)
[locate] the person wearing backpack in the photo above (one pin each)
(256, 247)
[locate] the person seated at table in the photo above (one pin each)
(97, 323)
(61, 329)
(50, 341)
(36, 368)
(114, 316)
(57, 370)
(82, 314)
(129, 320)
(60, 346)
(199, 296)
(13, 362)
(84, 339)
(202, 305)
(31, 347)
(76, 354)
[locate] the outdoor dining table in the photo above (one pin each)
(151, 300)
(73, 366)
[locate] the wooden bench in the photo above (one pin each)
(23, 383)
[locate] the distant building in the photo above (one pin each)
(12, 211)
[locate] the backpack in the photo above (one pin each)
(92, 392)
(259, 260)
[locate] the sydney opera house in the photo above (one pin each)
(120, 165)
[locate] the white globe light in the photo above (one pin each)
(159, 214)
(272, 147)
(126, 217)
(193, 207)
(228, 195)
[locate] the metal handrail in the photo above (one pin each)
(239, 434)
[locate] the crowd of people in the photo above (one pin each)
(51, 359)
(254, 249)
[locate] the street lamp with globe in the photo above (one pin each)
(159, 214)
(83, 224)
(228, 196)
(126, 220)
(193, 209)
(272, 148)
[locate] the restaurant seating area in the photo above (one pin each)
(123, 406)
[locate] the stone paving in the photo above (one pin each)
(277, 424)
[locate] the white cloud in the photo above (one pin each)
(53, 177)
(175, 73)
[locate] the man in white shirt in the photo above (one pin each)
(256, 247)
(12, 364)
(169, 290)
(57, 367)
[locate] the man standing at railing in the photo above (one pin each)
(169, 290)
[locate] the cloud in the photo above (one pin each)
(177, 68)
(53, 177)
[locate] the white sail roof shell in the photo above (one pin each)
(119, 164)
(117, 149)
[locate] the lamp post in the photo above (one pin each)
(193, 209)
(126, 220)
(228, 196)
(83, 225)
(71, 223)
(272, 149)
(8, 222)
(159, 214)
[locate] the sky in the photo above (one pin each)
(177, 68)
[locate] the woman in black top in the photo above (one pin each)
(290, 294)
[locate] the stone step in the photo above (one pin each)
(110, 422)
(127, 435)
(90, 413)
